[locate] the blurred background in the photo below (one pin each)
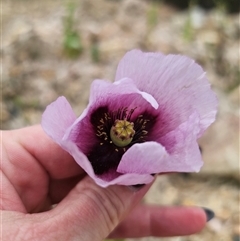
(54, 47)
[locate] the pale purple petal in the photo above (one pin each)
(149, 157)
(177, 83)
(102, 91)
(57, 118)
(126, 179)
(149, 98)
(182, 145)
(79, 157)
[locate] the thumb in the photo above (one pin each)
(91, 212)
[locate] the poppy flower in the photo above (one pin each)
(146, 122)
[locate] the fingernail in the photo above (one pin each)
(209, 213)
(137, 187)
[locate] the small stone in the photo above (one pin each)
(133, 7)
(215, 225)
(236, 230)
(5, 115)
(197, 16)
(209, 37)
(224, 214)
(236, 237)
(48, 74)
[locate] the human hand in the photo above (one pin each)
(36, 174)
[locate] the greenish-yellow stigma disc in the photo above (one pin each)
(122, 132)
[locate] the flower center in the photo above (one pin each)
(122, 132)
(116, 131)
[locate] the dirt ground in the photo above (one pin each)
(47, 51)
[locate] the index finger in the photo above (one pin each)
(157, 221)
(56, 161)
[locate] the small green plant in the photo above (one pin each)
(94, 48)
(235, 82)
(188, 30)
(221, 5)
(72, 41)
(152, 15)
(19, 102)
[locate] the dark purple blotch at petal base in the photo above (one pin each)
(104, 155)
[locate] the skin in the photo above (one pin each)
(36, 174)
